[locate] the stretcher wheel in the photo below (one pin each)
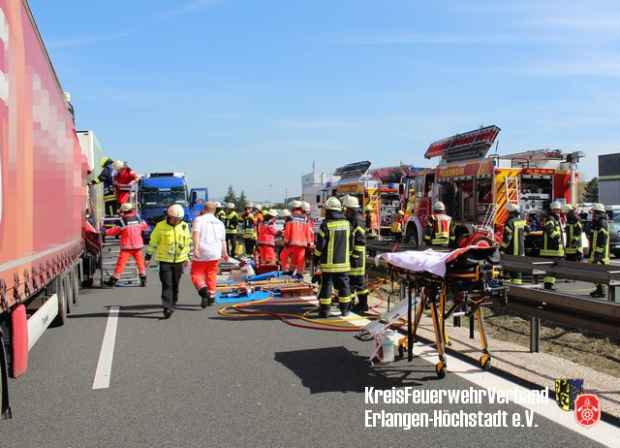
(440, 369)
(485, 361)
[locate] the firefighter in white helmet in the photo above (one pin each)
(439, 230)
(248, 226)
(331, 255)
(170, 242)
(357, 275)
(599, 247)
(553, 243)
(231, 221)
(574, 235)
(513, 241)
(220, 213)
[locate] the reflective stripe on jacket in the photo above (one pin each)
(574, 231)
(249, 226)
(358, 248)
(130, 232)
(513, 242)
(170, 244)
(232, 222)
(599, 251)
(439, 230)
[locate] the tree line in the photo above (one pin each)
(241, 201)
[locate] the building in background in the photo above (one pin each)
(609, 179)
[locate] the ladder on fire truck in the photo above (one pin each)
(110, 251)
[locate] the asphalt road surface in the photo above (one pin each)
(199, 381)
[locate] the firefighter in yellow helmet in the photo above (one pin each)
(553, 243)
(599, 249)
(357, 275)
(331, 255)
(513, 241)
(439, 230)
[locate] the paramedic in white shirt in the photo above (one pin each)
(209, 237)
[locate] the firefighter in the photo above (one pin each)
(599, 247)
(248, 226)
(513, 242)
(259, 214)
(220, 213)
(574, 234)
(130, 231)
(439, 228)
(368, 217)
(231, 221)
(331, 255)
(357, 275)
(123, 181)
(296, 241)
(106, 177)
(170, 242)
(266, 241)
(397, 226)
(553, 244)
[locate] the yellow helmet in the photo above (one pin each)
(333, 204)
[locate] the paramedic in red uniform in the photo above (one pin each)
(130, 232)
(267, 232)
(124, 179)
(295, 241)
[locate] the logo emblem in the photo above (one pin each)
(587, 410)
(566, 390)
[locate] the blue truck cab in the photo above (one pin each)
(157, 191)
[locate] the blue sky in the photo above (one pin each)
(249, 93)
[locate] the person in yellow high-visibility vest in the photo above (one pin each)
(397, 226)
(439, 228)
(574, 233)
(248, 224)
(513, 242)
(599, 249)
(357, 275)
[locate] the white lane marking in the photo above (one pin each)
(603, 433)
(104, 365)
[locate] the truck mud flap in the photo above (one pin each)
(4, 374)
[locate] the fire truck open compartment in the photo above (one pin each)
(536, 192)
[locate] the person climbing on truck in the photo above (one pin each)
(106, 177)
(130, 231)
(123, 181)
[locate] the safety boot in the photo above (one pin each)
(345, 309)
(168, 312)
(143, 280)
(598, 293)
(211, 299)
(111, 282)
(204, 296)
(549, 287)
(324, 311)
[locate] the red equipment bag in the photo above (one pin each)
(19, 341)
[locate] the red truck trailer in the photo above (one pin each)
(42, 193)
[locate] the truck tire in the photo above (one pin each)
(61, 291)
(411, 235)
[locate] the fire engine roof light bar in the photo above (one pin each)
(353, 169)
(467, 146)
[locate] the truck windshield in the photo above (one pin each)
(163, 198)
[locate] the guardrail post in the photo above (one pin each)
(612, 294)
(534, 334)
(471, 326)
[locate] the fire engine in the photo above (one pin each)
(476, 187)
(377, 191)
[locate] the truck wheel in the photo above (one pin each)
(61, 292)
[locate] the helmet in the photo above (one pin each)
(230, 206)
(401, 213)
(286, 213)
(249, 205)
(258, 206)
(598, 208)
(306, 206)
(439, 207)
(118, 164)
(126, 207)
(176, 211)
(106, 161)
(294, 204)
(513, 208)
(333, 204)
(555, 205)
(218, 204)
(271, 212)
(350, 202)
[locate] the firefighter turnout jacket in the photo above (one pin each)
(513, 242)
(439, 230)
(599, 252)
(358, 246)
(249, 226)
(332, 244)
(553, 245)
(232, 222)
(574, 232)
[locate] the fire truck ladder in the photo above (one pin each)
(110, 251)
